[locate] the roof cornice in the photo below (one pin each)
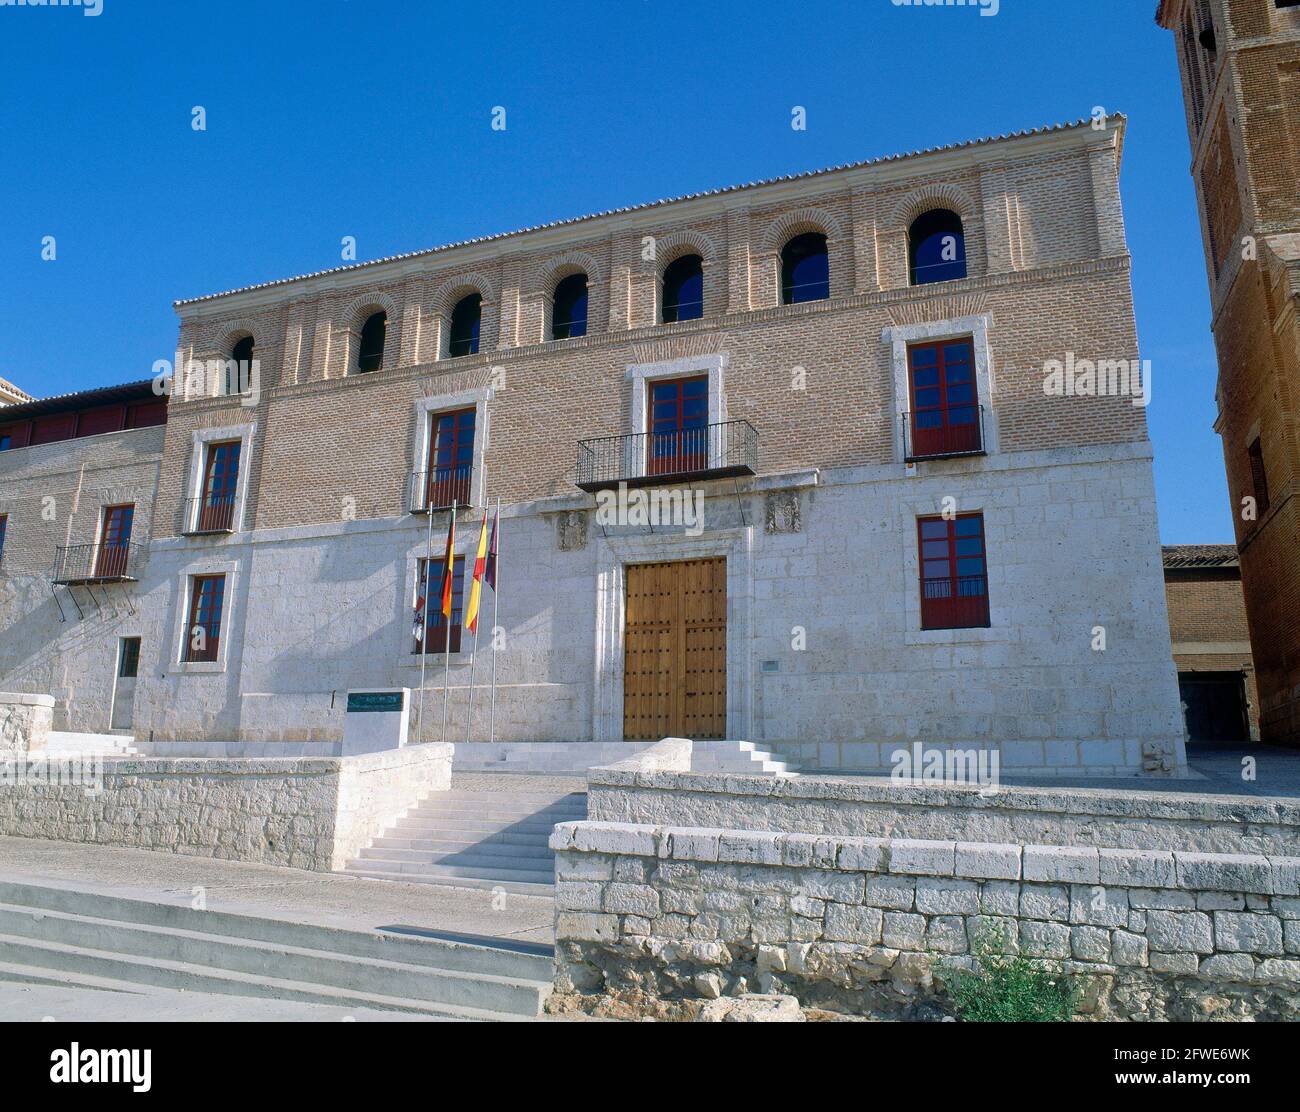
(870, 174)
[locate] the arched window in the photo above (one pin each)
(936, 247)
(370, 354)
(569, 308)
(464, 325)
(242, 353)
(683, 297)
(805, 269)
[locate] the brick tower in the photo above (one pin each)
(1240, 65)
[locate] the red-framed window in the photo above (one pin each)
(430, 588)
(954, 572)
(679, 425)
(114, 542)
(216, 510)
(451, 459)
(945, 416)
(203, 634)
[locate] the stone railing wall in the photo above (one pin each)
(872, 926)
(307, 814)
(860, 806)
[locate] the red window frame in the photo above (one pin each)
(207, 601)
(945, 418)
(216, 510)
(954, 572)
(679, 426)
(430, 586)
(114, 541)
(451, 459)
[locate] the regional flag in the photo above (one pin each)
(449, 570)
(476, 587)
(490, 572)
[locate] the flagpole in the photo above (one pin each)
(473, 664)
(496, 594)
(476, 588)
(450, 572)
(424, 637)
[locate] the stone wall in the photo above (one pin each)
(307, 814)
(24, 722)
(875, 926)
(873, 807)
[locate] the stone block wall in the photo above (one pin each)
(649, 914)
(306, 814)
(872, 807)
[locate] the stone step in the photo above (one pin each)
(425, 821)
(529, 848)
(469, 857)
(439, 875)
(527, 873)
(106, 969)
(195, 950)
(438, 808)
(525, 962)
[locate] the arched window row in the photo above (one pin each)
(936, 246)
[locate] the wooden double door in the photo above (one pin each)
(675, 650)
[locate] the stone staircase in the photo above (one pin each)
(62, 744)
(737, 756)
(490, 830)
(62, 936)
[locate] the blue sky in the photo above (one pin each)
(371, 119)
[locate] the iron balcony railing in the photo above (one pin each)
(717, 451)
(439, 489)
(213, 513)
(966, 608)
(95, 563)
(942, 434)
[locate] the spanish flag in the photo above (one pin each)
(476, 588)
(449, 570)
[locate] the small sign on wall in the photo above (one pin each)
(375, 720)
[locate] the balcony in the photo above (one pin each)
(936, 434)
(967, 609)
(724, 450)
(213, 513)
(88, 564)
(439, 489)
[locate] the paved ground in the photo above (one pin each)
(34, 1003)
(329, 899)
(1213, 772)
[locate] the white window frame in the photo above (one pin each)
(185, 595)
(429, 407)
(901, 336)
(642, 375)
(202, 440)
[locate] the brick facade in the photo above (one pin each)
(1243, 110)
(322, 560)
(1207, 616)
